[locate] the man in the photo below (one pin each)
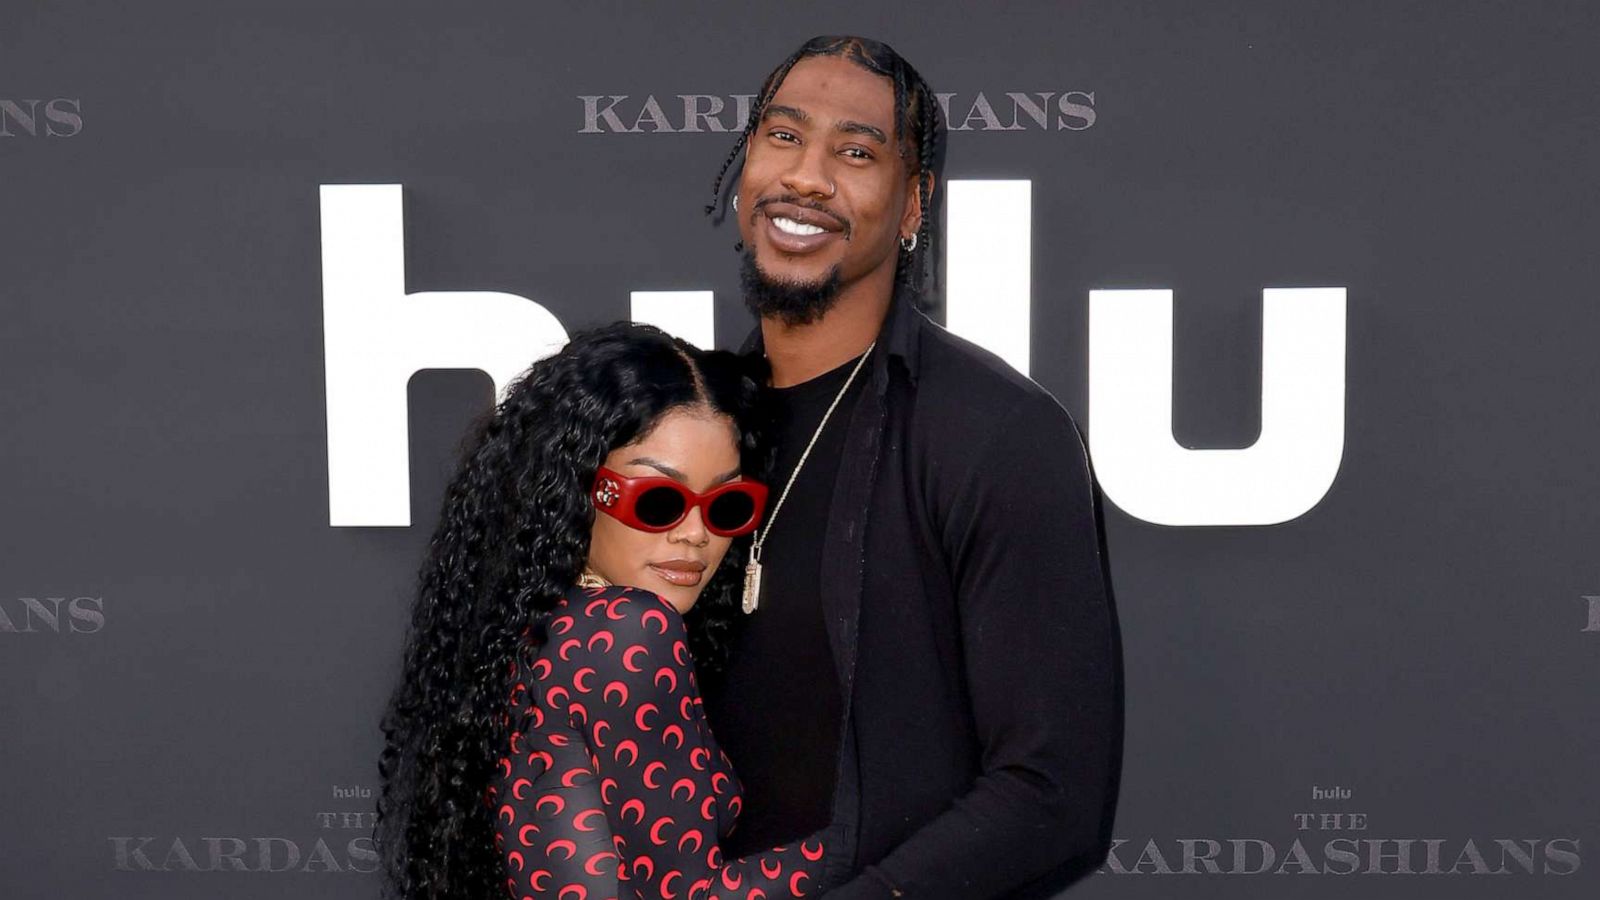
(931, 660)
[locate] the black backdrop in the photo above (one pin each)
(192, 658)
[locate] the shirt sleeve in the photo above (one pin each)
(1022, 538)
(640, 714)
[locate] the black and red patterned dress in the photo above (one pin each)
(612, 785)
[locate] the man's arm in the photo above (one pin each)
(1037, 638)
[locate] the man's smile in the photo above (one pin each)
(791, 228)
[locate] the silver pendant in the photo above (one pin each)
(752, 585)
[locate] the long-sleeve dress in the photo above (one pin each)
(612, 785)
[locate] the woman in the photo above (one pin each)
(547, 738)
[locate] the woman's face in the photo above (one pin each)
(697, 448)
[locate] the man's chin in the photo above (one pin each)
(794, 299)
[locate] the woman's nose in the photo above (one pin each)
(692, 530)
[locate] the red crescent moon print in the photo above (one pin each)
(673, 731)
(688, 788)
(650, 770)
(635, 805)
(518, 786)
(594, 863)
(666, 879)
(684, 707)
(607, 784)
(611, 609)
(671, 677)
(566, 647)
(566, 844)
(691, 835)
(706, 811)
(516, 857)
(655, 830)
(533, 880)
(578, 711)
(570, 777)
(808, 853)
(719, 780)
(576, 891)
(542, 669)
(731, 879)
(544, 757)
(558, 739)
(508, 813)
(648, 867)
(522, 834)
(628, 747)
(505, 768)
(601, 636)
(694, 757)
(554, 800)
(550, 696)
(620, 688)
(644, 709)
(775, 869)
(756, 894)
(680, 652)
(589, 608)
(659, 616)
(628, 654)
(582, 817)
(560, 625)
(579, 676)
(601, 726)
(794, 883)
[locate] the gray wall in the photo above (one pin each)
(1425, 639)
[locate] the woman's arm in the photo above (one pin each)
(637, 703)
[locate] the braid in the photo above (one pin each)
(757, 110)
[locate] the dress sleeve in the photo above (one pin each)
(550, 827)
(638, 707)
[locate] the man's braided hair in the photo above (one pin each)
(919, 136)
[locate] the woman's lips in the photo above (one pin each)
(682, 573)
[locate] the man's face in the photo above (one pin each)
(823, 187)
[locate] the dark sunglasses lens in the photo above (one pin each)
(731, 511)
(659, 507)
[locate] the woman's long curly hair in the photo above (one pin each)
(512, 537)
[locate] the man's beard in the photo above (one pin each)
(790, 302)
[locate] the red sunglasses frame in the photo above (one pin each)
(617, 496)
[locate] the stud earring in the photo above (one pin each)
(910, 244)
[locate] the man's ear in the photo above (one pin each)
(911, 222)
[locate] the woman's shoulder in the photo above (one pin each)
(624, 612)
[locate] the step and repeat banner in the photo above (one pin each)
(1317, 279)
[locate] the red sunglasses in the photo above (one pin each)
(655, 503)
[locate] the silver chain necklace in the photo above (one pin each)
(752, 569)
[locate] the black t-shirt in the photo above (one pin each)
(781, 686)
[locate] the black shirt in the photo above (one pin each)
(780, 689)
(963, 588)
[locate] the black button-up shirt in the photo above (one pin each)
(963, 587)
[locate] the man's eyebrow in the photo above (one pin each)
(672, 473)
(793, 112)
(871, 131)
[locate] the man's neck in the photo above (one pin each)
(799, 353)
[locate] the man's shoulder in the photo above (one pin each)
(970, 386)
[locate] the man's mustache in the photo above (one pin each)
(844, 224)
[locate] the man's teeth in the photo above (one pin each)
(790, 226)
